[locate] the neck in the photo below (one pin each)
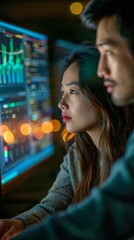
(95, 136)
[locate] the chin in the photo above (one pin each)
(70, 131)
(120, 101)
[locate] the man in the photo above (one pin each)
(108, 213)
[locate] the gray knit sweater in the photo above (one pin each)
(61, 193)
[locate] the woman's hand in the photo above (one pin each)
(10, 228)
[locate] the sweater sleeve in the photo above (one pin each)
(108, 213)
(60, 194)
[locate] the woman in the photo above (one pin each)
(101, 132)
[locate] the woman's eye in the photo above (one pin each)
(73, 91)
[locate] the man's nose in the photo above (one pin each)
(103, 68)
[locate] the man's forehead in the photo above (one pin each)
(107, 30)
(109, 22)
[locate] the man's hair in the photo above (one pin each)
(96, 10)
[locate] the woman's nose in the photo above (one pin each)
(63, 104)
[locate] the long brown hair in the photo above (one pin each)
(117, 123)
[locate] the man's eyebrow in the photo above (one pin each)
(107, 41)
(71, 83)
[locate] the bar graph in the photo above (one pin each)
(12, 63)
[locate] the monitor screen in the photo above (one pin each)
(24, 101)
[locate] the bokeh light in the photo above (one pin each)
(3, 129)
(25, 129)
(56, 125)
(67, 136)
(76, 8)
(47, 127)
(38, 133)
(9, 137)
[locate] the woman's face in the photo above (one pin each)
(78, 112)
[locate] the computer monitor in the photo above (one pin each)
(24, 101)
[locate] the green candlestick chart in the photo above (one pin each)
(12, 64)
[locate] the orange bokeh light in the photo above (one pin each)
(47, 127)
(37, 133)
(56, 125)
(25, 129)
(3, 129)
(66, 136)
(9, 137)
(76, 8)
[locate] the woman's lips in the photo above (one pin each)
(65, 118)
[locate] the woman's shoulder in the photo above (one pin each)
(73, 163)
(72, 150)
